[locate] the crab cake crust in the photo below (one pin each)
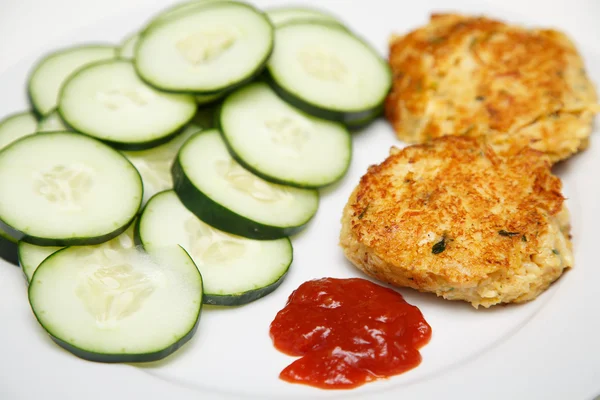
(452, 217)
(462, 75)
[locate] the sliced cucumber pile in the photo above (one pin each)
(154, 165)
(222, 193)
(214, 125)
(235, 270)
(329, 72)
(126, 306)
(303, 150)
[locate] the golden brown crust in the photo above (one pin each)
(462, 75)
(493, 214)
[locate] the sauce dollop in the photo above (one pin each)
(348, 332)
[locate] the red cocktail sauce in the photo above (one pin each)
(348, 332)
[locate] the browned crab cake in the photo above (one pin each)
(452, 217)
(463, 75)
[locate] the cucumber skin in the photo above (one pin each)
(351, 119)
(362, 124)
(31, 103)
(221, 217)
(245, 297)
(125, 358)
(21, 264)
(330, 18)
(260, 69)
(120, 358)
(130, 146)
(9, 251)
(270, 178)
(64, 242)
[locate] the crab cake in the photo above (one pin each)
(452, 217)
(473, 76)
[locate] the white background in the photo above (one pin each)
(557, 356)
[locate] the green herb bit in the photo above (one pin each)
(523, 238)
(419, 86)
(502, 232)
(555, 251)
(439, 246)
(437, 40)
(362, 213)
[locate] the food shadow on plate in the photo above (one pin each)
(431, 300)
(356, 134)
(173, 357)
(566, 167)
(332, 188)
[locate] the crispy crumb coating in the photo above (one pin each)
(466, 75)
(454, 218)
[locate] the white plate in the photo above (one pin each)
(546, 349)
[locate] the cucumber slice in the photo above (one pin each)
(13, 128)
(203, 99)
(31, 255)
(108, 101)
(359, 124)
(154, 165)
(127, 49)
(283, 15)
(16, 126)
(212, 185)
(179, 10)
(63, 188)
(118, 306)
(327, 71)
(8, 248)
(304, 151)
(206, 50)
(51, 72)
(235, 270)
(52, 123)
